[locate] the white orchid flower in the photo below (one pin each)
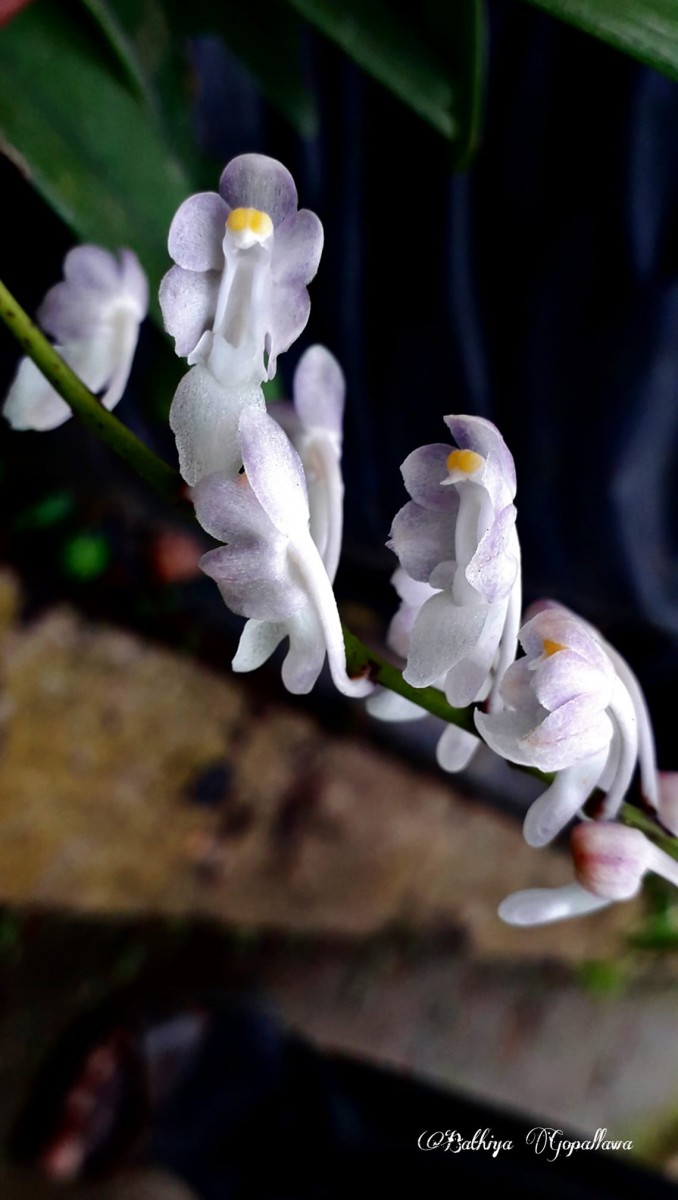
(236, 298)
(572, 706)
(94, 316)
(270, 569)
(610, 862)
(457, 534)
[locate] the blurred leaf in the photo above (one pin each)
(86, 556)
(647, 29)
(459, 30)
(602, 977)
(388, 43)
(268, 39)
(87, 145)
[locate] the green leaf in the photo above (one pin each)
(48, 511)
(459, 30)
(389, 42)
(646, 29)
(268, 40)
(87, 145)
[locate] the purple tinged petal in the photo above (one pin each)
(541, 906)
(423, 472)
(91, 268)
(134, 281)
(467, 679)
(505, 733)
(290, 308)
(197, 232)
(254, 581)
(275, 472)
(565, 675)
(421, 540)
(558, 625)
(319, 389)
(297, 248)
(188, 300)
(442, 635)
(256, 181)
(481, 436)
(229, 511)
(493, 568)
(564, 737)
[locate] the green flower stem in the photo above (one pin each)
(362, 661)
(84, 404)
(637, 819)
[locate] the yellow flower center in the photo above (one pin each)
(552, 647)
(250, 220)
(466, 461)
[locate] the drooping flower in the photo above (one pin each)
(270, 569)
(237, 296)
(569, 709)
(458, 535)
(314, 423)
(94, 316)
(610, 862)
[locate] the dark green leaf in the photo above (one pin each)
(268, 40)
(394, 49)
(86, 556)
(87, 145)
(647, 29)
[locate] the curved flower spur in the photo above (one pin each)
(270, 570)
(236, 299)
(94, 315)
(569, 709)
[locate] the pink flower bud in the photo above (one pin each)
(610, 860)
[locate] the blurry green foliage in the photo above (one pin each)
(47, 511)
(86, 556)
(646, 29)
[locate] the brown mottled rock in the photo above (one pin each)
(103, 740)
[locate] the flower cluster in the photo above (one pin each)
(552, 696)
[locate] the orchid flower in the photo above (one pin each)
(458, 535)
(270, 570)
(610, 861)
(94, 314)
(236, 298)
(574, 707)
(314, 423)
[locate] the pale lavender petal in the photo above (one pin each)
(563, 676)
(442, 635)
(188, 300)
(91, 268)
(468, 678)
(423, 472)
(493, 568)
(68, 313)
(456, 749)
(229, 511)
(481, 436)
(413, 595)
(297, 248)
(541, 906)
(624, 718)
(256, 181)
(505, 733)
(32, 402)
(204, 418)
(258, 641)
(516, 687)
(389, 706)
(562, 800)
(649, 775)
(319, 389)
(275, 472)
(290, 308)
(558, 625)
(254, 581)
(574, 731)
(197, 232)
(421, 540)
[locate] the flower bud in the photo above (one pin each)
(610, 860)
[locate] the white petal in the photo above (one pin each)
(422, 539)
(442, 635)
(505, 733)
(319, 389)
(468, 678)
(423, 472)
(258, 641)
(389, 706)
(562, 800)
(306, 655)
(32, 402)
(188, 300)
(275, 472)
(197, 231)
(541, 906)
(456, 748)
(204, 418)
(257, 181)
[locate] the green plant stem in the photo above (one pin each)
(362, 661)
(637, 819)
(85, 405)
